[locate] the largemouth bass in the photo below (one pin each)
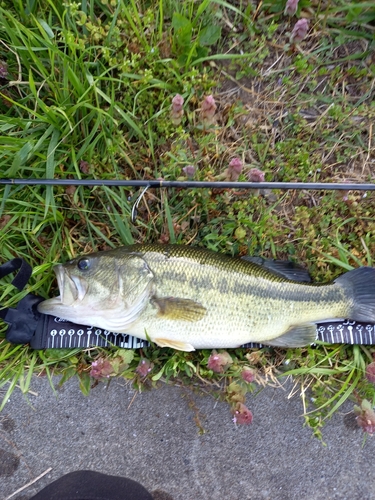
(190, 298)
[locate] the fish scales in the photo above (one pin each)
(190, 298)
(260, 300)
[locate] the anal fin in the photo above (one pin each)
(174, 344)
(296, 336)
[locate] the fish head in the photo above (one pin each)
(102, 289)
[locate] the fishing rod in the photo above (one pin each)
(326, 186)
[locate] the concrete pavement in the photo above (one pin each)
(152, 437)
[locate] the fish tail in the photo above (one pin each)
(360, 284)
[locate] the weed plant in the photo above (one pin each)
(86, 90)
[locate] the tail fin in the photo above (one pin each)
(360, 285)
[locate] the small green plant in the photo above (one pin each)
(192, 39)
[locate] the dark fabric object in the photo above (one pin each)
(90, 485)
(23, 320)
(23, 275)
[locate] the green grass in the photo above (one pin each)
(86, 92)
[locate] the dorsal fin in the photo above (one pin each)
(283, 268)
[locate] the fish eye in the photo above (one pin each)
(83, 264)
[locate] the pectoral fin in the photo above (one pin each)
(296, 336)
(174, 344)
(179, 309)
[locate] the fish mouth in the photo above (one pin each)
(59, 271)
(81, 287)
(67, 287)
(53, 305)
(72, 289)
